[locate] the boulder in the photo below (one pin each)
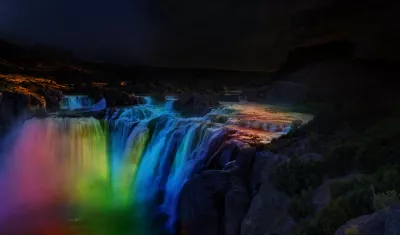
(225, 154)
(195, 104)
(52, 98)
(264, 162)
(129, 99)
(244, 160)
(201, 203)
(95, 93)
(268, 211)
(386, 221)
(237, 202)
(322, 196)
(117, 98)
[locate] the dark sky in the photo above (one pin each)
(101, 28)
(233, 34)
(198, 33)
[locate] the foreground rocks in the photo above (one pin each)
(237, 201)
(383, 222)
(195, 104)
(267, 213)
(201, 204)
(215, 201)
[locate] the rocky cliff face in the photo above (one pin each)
(13, 109)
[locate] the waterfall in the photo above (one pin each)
(148, 100)
(120, 175)
(169, 104)
(117, 164)
(73, 102)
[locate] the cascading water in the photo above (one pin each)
(148, 100)
(117, 176)
(169, 102)
(73, 102)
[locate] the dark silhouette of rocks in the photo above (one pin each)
(13, 110)
(386, 221)
(195, 104)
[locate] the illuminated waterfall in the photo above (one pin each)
(116, 176)
(121, 164)
(169, 101)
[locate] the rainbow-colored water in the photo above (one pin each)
(117, 176)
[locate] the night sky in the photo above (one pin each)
(209, 33)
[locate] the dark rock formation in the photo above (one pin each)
(52, 97)
(237, 201)
(268, 209)
(13, 110)
(386, 221)
(217, 201)
(322, 196)
(201, 204)
(268, 212)
(117, 98)
(95, 93)
(244, 161)
(225, 154)
(195, 104)
(256, 178)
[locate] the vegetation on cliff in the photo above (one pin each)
(360, 162)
